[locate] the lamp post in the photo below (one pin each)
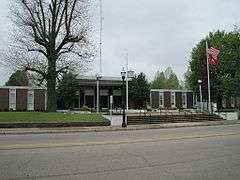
(130, 74)
(123, 74)
(78, 94)
(200, 93)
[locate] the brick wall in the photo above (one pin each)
(167, 100)
(179, 99)
(155, 99)
(21, 104)
(4, 99)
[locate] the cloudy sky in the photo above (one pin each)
(155, 33)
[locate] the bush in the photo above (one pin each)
(85, 108)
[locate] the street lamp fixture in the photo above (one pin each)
(130, 74)
(123, 74)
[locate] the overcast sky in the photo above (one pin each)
(155, 33)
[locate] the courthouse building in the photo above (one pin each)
(108, 86)
(21, 98)
(35, 99)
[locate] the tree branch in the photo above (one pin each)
(38, 50)
(63, 70)
(36, 70)
(34, 22)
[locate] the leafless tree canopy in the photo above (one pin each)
(50, 34)
(50, 37)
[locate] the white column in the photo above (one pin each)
(30, 100)
(12, 99)
(97, 95)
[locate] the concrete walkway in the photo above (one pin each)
(113, 128)
(116, 120)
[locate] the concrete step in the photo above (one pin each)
(158, 119)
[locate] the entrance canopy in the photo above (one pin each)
(104, 81)
(108, 86)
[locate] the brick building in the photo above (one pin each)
(20, 98)
(171, 99)
(231, 102)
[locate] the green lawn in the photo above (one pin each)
(16, 117)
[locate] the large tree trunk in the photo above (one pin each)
(51, 87)
(51, 94)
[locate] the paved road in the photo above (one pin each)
(182, 153)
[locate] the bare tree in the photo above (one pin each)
(51, 37)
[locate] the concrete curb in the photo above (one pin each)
(110, 129)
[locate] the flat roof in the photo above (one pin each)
(103, 80)
(21, 87)
(170, 90)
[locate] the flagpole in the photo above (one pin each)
(208, 75)
(127, 82)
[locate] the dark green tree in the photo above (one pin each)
(139, 91)
(165, 80)
(187, 78)
(172, 82)
(225, 77)
(67, 90)
(159, 81)
(19, 78)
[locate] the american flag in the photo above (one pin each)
(213, 56)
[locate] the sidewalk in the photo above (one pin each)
(113, 128)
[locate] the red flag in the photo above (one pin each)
(213, 56)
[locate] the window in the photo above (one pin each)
(173, 99)
(161, 100)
